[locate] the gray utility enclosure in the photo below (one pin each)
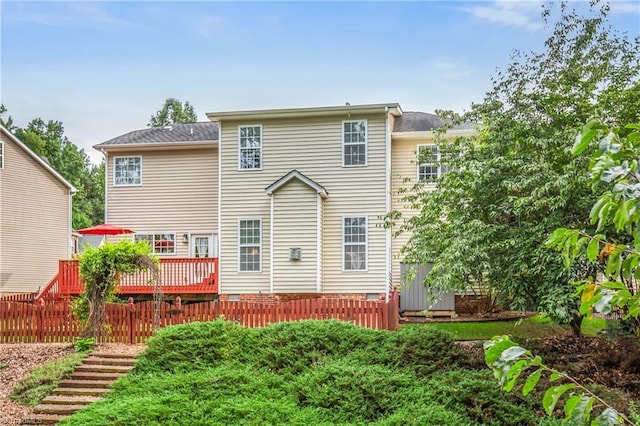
(413, 296)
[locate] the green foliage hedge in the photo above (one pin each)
(309, 372)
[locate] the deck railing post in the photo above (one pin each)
(179, 318)
(40, 321)
(132, 320)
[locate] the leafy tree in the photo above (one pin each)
(101, 267)
(516, 181)
(173, 111)
(614, 247)
(47, 139)
(8, 123)
(614, 250)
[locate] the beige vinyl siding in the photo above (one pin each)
(403, 166)
(179, 194)
(34, 222)
(313, 146)
(295, 225)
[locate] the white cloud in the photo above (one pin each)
(210, 25)
(625, 7)
(524, 14)
(67, 14)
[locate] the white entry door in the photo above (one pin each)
(202, 245)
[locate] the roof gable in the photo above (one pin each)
(37, 158)
(294, 174)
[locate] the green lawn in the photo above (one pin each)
(532, 327)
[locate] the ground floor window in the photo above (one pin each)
(354, 243)
(164, 243)
(249, 245)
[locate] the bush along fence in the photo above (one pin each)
(53, 321)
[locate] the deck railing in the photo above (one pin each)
(175, 276)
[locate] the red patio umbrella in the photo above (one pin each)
(105, 229)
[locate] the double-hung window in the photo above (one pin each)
(127, 171)
(354, 243)
(354, 143)
(159, 243)
(250, 147)
(430, 166)
(249, 245)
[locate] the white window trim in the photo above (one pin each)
(1, 155)
(258, 218)
(366, 242)
(153, 249)
(114, 170)
(366, 143)
(240, 169)
(419, 164)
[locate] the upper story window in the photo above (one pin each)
(249, 245)
(354, 143)
(429, 163)
(160, 243)
(127, 171)
(250, 147)
(354, 243)
(1, 155)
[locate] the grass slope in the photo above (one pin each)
(44, 379)
(309, 372)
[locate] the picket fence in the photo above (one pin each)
(53, 321)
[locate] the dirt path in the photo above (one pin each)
(17, 360)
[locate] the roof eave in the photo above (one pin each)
(123, 146)
(393, 108)
(430, 134)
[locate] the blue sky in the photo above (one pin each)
(103, 68)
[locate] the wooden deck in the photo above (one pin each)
(175, 276)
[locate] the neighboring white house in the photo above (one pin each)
(35, 218)
(291, 201)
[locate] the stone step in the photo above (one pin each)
(81, 391)
(94, 375)
(109, 361)
(85, 383)
(71, 399)
(58, 409)
(112, 355)
(100, 368)
(42, 419)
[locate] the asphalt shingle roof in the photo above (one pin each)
(187, 132)
(411, 121)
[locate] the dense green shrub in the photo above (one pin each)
(362, 392)
(425, 350)
(294, 347)
(304, 373)
(475, 394)
(197, 345)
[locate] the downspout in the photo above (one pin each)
(70, 225)
(219, 208)
(271, 243)
(106, 185)
(319, 243)
(387, 235)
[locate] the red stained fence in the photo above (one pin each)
(133, 323)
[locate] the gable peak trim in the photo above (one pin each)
(294, 174)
